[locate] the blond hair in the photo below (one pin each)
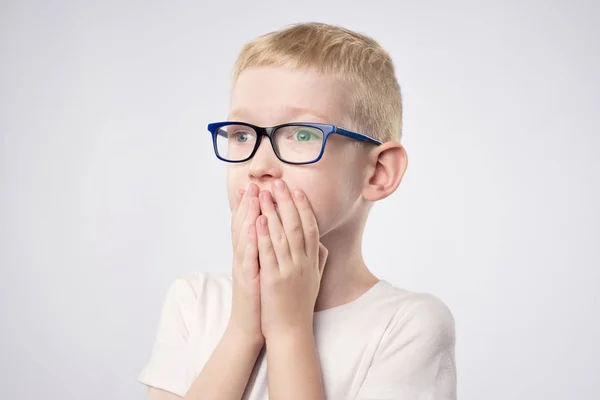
(374, 103)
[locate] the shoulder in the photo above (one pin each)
(199, 284)
(419, 315)
(415, 355)
(194, 304)
(193, 295)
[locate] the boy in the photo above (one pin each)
(302, 317)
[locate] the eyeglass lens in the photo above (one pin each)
(293, 143)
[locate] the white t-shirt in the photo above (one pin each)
(390, 343)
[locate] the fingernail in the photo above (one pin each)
(279, 185)
(252, 189)
(252, 202)
(240, 193)
(262, 225)
(298, 194)
(264, 197)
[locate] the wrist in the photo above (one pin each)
(241, 339)
(290, 337)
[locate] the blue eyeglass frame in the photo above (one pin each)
(261, 131)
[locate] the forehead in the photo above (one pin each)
(274, 95)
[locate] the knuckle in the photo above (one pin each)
(279, 239)
(312, 230)
(296, 229)
(265, 247)
(285, 275)
(269, 251)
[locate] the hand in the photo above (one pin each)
(291, 262)
(245, 308)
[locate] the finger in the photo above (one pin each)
(309, 223)
(241, 213)
(266, 252)
(250, 192)
(250, 263)
(290, 219)
(278, 238)
(323, 253)
(239, 209)
(251, 215)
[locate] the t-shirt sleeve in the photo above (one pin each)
(415, 359)
(167, 368)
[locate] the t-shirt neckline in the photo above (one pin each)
(369, 293)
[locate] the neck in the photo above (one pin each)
(345, 276)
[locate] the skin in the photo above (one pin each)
(304, 254)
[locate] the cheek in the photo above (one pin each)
(234, 183)
(327, 215)
(231, 197)
(331, 202)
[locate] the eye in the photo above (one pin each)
(240, 136)
(306, 135)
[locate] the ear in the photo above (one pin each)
(387, 164)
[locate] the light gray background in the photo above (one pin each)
(110, 189)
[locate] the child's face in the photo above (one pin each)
(268, 96)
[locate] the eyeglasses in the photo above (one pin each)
(293, 143)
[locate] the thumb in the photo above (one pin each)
(323, 253)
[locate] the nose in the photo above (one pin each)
(264, 164)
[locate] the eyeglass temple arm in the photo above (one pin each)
(357, 136)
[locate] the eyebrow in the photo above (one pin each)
(243, 113)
